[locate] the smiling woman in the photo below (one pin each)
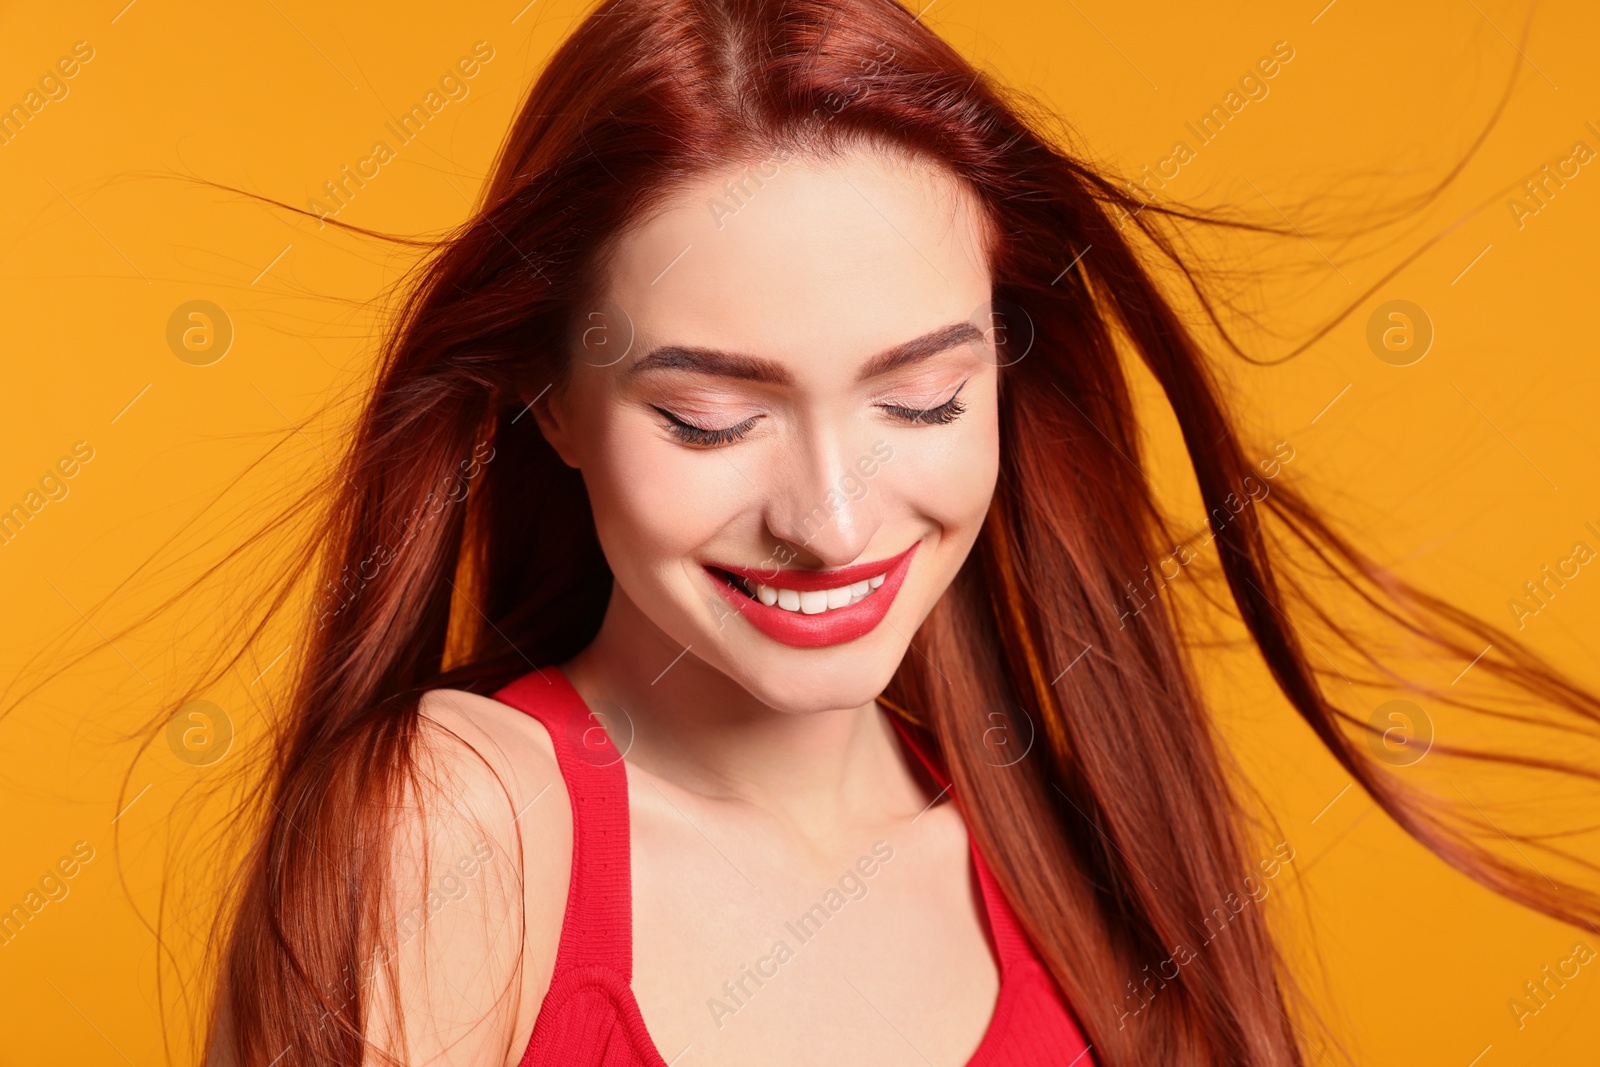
(741, 604)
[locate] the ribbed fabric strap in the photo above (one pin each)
(1010, 943)
(598, 928)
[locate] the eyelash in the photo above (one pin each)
(691, 434)
(701, 437)
(947, 412)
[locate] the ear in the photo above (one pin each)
(550, 410)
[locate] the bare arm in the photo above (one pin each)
(463, 951)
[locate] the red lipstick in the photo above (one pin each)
(832, 627)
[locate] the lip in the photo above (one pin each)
(830, 627)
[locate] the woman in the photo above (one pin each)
(778, 373)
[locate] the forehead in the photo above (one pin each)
(841, 257)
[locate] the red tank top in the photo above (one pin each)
(589, 1017)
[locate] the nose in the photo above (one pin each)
(823, 506)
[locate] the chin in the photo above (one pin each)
(803, 682)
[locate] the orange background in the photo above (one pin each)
(1470, 470)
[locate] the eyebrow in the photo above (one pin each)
(741, 367)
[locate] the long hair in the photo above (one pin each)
(1119, 831)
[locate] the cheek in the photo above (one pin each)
(653, 501)
(949, 474)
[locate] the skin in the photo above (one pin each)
(758, 773)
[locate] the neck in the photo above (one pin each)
(697, 728)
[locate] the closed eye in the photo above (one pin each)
(943, 413)
(700, 436)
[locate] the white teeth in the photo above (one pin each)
(815, 601)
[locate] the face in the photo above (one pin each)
(786, 419)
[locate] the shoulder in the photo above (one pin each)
(500, 765)
(485, 765)
(476, 735)
(477, 884)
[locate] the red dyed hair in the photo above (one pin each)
(1119, 829)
